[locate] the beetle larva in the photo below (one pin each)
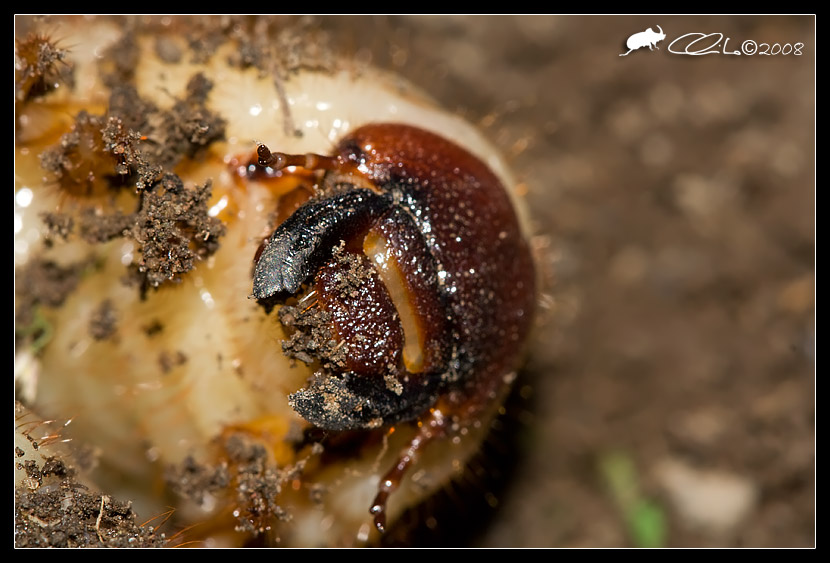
(139, 212)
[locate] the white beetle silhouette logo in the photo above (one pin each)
(648, 37)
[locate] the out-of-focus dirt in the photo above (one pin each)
(677, 194)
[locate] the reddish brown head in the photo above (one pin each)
(420, 284)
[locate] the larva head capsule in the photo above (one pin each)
(421, 287)
(414, 277)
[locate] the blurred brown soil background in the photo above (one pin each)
(669, 397)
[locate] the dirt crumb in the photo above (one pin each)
(127, 105)
(259, 485)
(194, 480)
(190, 126)
(120, 60)
(58, 226)
(274, 47)
(351, 280)
(95, 227)
(136, 165)
(61, 512)
(254, 480)
(174, 230)
(153, 328)
(169, 360)
(42, 283)
(103, 323)
(313, 338)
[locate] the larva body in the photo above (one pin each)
(188, 380)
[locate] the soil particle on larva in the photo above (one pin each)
(55, 510)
